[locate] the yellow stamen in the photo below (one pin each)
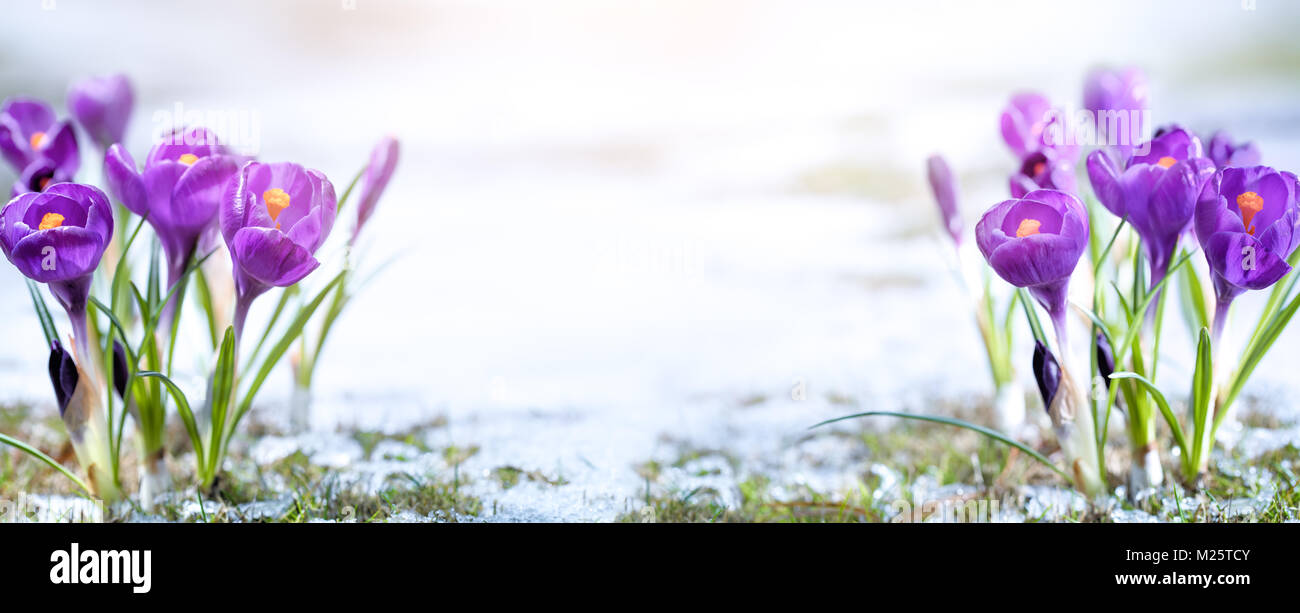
(1166, 162)
(50, 221)
(38, 140)
(46, 182)
(1249, 203)
(276, 202)
(1028, 227)
(188, 159)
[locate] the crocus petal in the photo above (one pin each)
(12, 227)
(197, 141)
(102, 105)
(124, 181)
(197, 193)
(62, 148)
(383, 161)
(1103, 173)
(1244, 262)
(99, 214)
(58, 254)
(270, 257)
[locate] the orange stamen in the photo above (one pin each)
(1028, 227)
(276, 202)
(50, 221)
(188, 159)
(38, 140)
(1250, 204)
(1166, 162)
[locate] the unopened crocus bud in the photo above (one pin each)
(102, 105)
(944, 185)
(383, 160)
(1105, 359)
(121, 371)
(63, 374)
(1047, 372)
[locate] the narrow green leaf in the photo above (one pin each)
(347, 193)
(1098, 260)
(220, 392)
(1202, 394)
(205, 301)
(43, 314)
(993, 434)
(278, 351)
(36, 453)
(183, 408)
(1031, 314)
(1195, 310)
(1254, 354)
(1162, 404)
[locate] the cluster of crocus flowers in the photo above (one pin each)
(194, 192)
(178, 191)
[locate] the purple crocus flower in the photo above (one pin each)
(1035, 242)
(40, 174)
(944, 185)
(1115, 90)
(1029, 124)
(274, 217)
(29, 133)
(1117, 100)
(102, 106)
(1043, 170)
(179, 191)
(1156, 191)
(1224, 153)
(383, 160)
(57, 237)
(1248, 223)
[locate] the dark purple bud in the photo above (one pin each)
(1105, 359)
(1047, 372)
(63, 374)
(121, 371)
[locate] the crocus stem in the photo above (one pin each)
(73, 296)
(242, 303)
(1054, 298)
(175, 271)
(1220, 320)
